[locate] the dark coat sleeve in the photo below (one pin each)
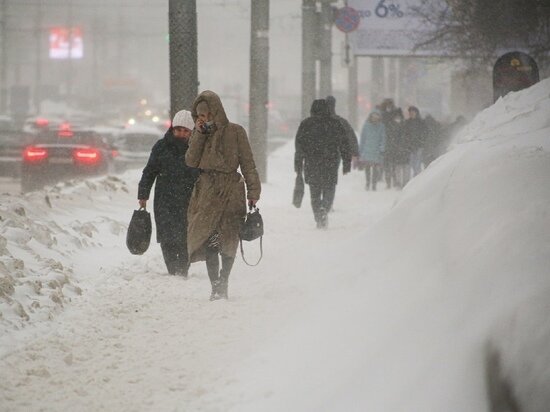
(299, 155)
(149, 174)
(352, 137)
(346, 150)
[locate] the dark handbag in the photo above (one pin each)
(252, 228)
(298, 191)
(138, 236)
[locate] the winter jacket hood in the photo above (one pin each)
(319, 107)
(331, 102)
(214, 104)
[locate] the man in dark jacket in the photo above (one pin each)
(350, 133)
(321, 142)
(175, 182)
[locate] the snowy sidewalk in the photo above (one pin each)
(140, 340)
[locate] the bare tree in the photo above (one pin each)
(481, 29)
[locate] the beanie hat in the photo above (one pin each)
(183, 118)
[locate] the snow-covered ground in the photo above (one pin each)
(391, 309)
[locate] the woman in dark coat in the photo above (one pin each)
(174, 185)
(320, 143)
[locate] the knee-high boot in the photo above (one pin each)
(227, 265)
(213, 268)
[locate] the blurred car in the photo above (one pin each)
(134, 146)
(63, 154)
(12, 142)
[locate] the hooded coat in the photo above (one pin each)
(320, 143)
(218, 201)
(174, 185)
(373, 141)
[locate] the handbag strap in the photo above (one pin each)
(261, 253)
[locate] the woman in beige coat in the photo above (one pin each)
(218, 203)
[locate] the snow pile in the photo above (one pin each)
(40, 235)
(406, 312)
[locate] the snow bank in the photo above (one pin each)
(405, 312)
(38, 247)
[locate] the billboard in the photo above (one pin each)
(65, 43)
(387, 28)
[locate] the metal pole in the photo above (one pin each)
(3, 58)
(182, 18)
(308, 55)
(38, 68)
(352, 92)
(325, 54)
(70, 52)
(95, 53)
(259, 83)
(377, 80)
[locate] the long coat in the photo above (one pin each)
(321, 141)
(218, 202)
(174, 185)
(373, 142)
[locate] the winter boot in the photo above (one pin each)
(227, 265)
(213, 268)
(215, 294)
(323, 219)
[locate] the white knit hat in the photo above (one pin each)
(183, 118)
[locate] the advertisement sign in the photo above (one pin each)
(65, 43)
(387, 28)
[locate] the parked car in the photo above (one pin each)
(134, 147)
(63, 154)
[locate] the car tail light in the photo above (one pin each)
(65, 130)
(41, 122)
(87, 156)
(34, 154)
(114, 153)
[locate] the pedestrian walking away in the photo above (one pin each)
(321, 142)
(174, 185)
(218, 203)
(372, 147)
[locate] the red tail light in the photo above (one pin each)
(65, 130)
(114, 153)
(34, 154)
(87, 156)
(41, 122)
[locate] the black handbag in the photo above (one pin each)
(298, 194)
(252, 228)
(138, 236)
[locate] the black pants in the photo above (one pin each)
(175, 257)
(322, 198)
(213, 265)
